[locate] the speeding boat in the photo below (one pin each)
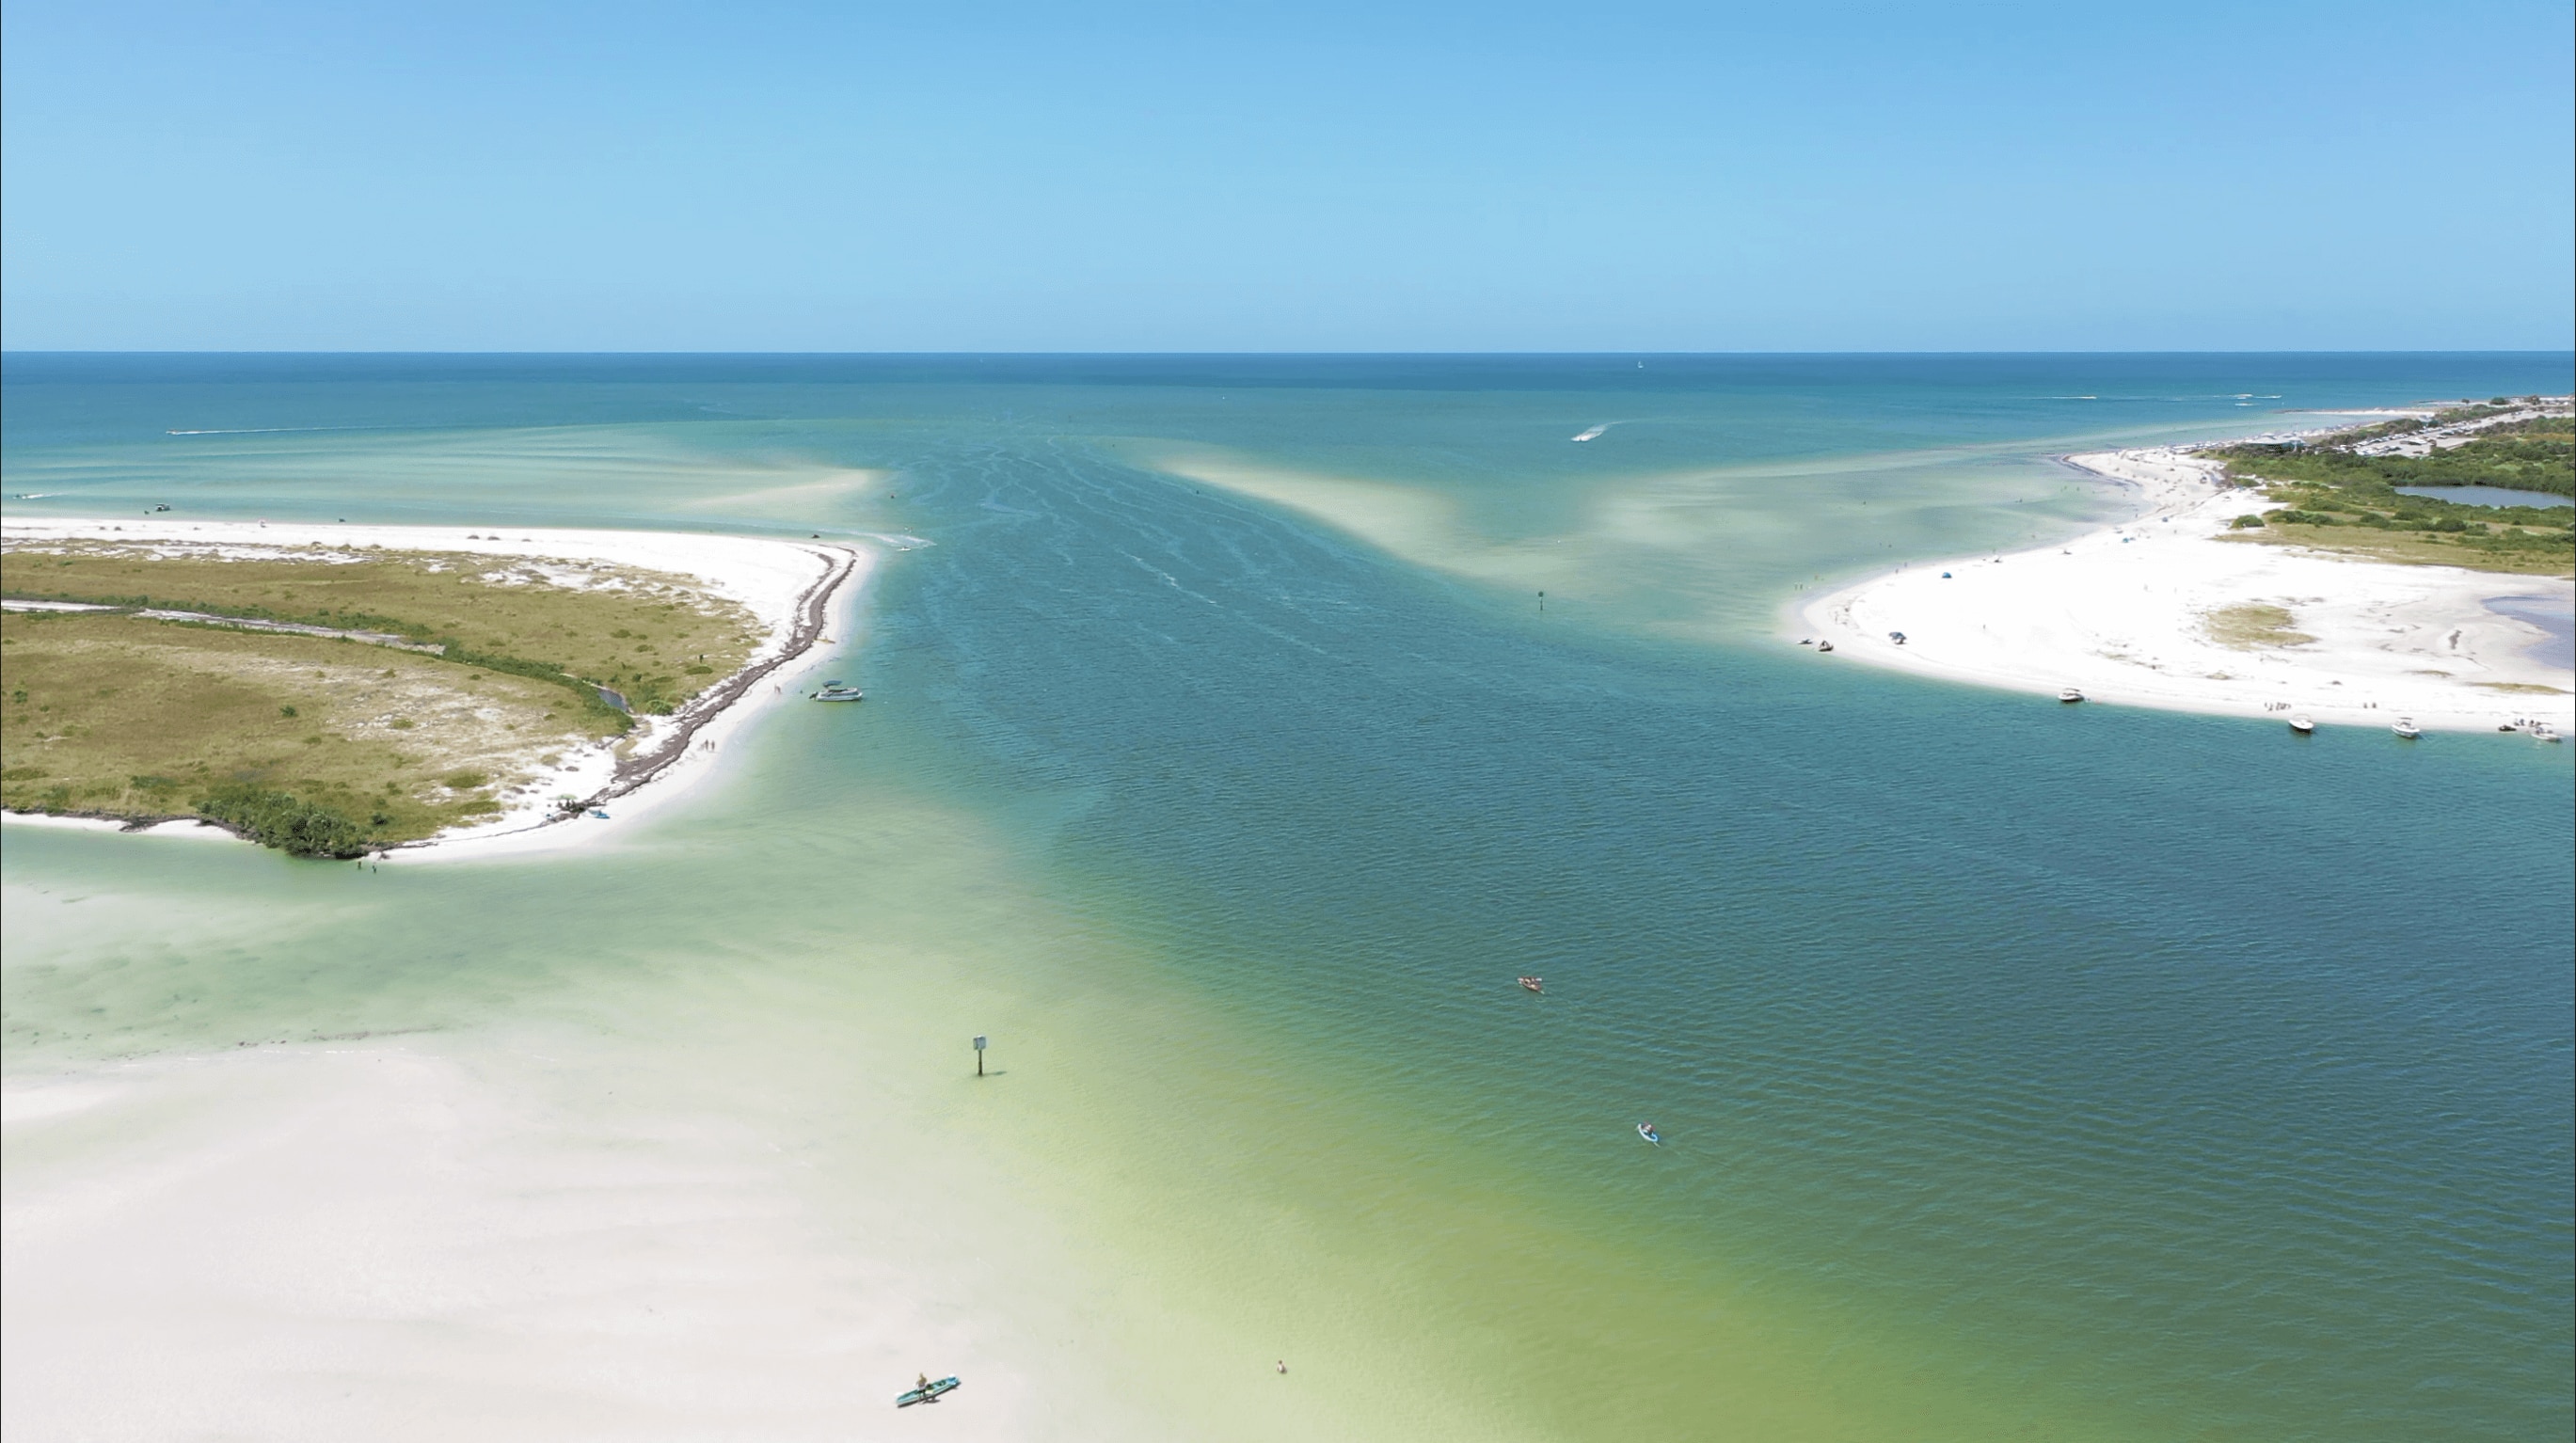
(2068, 693)
(1531, 984)
(2406, 728)
(1647, 1131)
(2302, 725)
(927, 1393)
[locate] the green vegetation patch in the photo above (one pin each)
(109, 714)
(2251, 625)
(329, 746)
(2335, 500)
(286, 821)
(657, 638)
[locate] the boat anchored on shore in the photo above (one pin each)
(2302, 726)
(2069, 694)
(835, 691)
(2406, 729)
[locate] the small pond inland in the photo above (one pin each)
(2486, 495)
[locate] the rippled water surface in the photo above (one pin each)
(2023, 1070)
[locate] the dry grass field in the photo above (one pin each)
(111, 713)
(658, 638)
(2251, 625)
(2486, 547)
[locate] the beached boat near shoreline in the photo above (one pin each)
(2154, 612)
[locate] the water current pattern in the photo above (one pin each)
(2022, 1070)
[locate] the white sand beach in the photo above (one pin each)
(804, 593)
(2123, 614)
(511, 1235)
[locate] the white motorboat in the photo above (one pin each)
(2068, 693)
(2542, 731)
(2302, 725)
(835, 691)
(2406, 728)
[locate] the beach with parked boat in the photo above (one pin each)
(2182, 607)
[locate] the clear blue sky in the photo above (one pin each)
(1310, 176)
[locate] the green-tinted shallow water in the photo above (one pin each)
(2024, 1070)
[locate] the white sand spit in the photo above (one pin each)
(2151, 613)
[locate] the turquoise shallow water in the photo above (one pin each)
(2025, 1070)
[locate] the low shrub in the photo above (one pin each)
(284, 821)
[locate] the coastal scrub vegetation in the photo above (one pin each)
(2338, 498)
(580, 624)
(2253, 624)
(114, 715)
(327, 746)
(286, 821)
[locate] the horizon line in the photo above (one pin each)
(6, 352)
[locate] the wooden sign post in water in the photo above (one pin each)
(979, 1057)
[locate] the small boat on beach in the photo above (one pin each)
(2069, 694)
(2542, 731)
(2302, 725)
(2407, 729)
(599, 813)
(1647, 1131)
(1824, 646)
(1531, 984)
(835, 691)
(926, 1393)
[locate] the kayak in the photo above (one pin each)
(926, 1395)
(1647, 1131)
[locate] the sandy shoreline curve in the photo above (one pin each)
(804, 593)
(2123, 615)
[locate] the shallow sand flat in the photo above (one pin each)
(441, 1237)
(2123, 615)
(771, 577)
